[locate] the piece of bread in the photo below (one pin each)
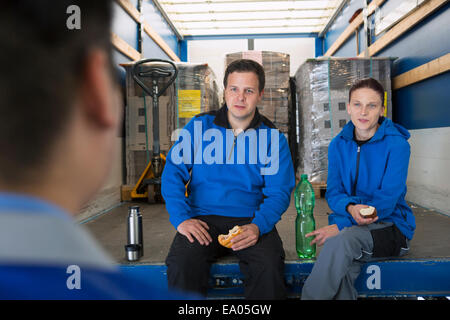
(225, 239)
(369, 212)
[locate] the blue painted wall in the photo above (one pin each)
(159, 24)
(127, 29)
(348, 49)
(183, 47)
(424, 104)
(124, 26)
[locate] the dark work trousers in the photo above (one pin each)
(188, 264)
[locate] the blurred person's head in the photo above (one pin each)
(59, 107)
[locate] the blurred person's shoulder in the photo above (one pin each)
(46, 254)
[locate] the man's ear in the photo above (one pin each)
(261, 95)
(97, 91)
(382, 110)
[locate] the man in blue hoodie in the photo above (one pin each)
(368, 165)
(239, 172)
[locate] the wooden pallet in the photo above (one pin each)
(125, 192)
(319, 189)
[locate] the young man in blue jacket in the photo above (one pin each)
(240, 172)
(368, 165)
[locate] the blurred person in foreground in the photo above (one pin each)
(59, 117)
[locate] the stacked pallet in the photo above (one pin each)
(320, 188)
(275, 100)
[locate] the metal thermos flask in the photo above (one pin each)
(135, 247)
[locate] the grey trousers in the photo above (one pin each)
(340, 262)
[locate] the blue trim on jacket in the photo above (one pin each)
(226, 187)
(36, 277)
(30, 205)
(381, 181)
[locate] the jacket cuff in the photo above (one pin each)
(342, 205)
(341, 222)
(176, 221)
(346, 207)
(262, 225)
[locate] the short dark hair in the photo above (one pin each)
(246, 65)
(43, 62)
(370, 83)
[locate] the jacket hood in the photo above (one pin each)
(386, 128)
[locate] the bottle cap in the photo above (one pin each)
(304, 176)
(134, 209)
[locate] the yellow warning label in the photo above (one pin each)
(189, 103)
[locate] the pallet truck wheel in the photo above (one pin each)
(151, 193)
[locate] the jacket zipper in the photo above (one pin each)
(232, 148)
(357, 171)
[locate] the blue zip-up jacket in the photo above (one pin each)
(373, 174)
(225, 176)
(45, 254)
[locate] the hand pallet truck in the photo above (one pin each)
(149, 183)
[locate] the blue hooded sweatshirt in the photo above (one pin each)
(373, 174)
(225, 175)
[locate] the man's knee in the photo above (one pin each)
(264, 275)
(267, 260)
(270, 265)
(187, 269)
(184, 255)
(182, 261)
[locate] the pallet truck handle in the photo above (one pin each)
(154, 72)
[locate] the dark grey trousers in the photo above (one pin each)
(188, 264)
(340, 261)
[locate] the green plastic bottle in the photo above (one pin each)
(305, 223)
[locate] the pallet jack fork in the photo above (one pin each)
(149, 184)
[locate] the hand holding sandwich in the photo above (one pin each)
(240, 237)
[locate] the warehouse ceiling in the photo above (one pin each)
(232, 17)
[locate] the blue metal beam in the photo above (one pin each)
(319, 46)
(252, 36)
(183, 50)
(399, 278)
